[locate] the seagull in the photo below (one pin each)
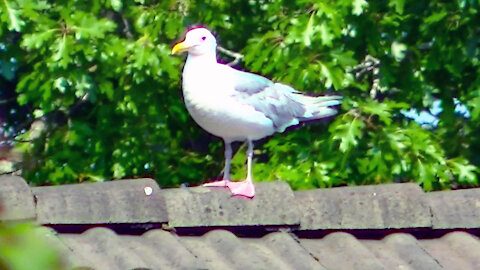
(240, 106)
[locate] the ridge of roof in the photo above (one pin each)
(387, 206)
(16, 199)
(141, 204)
(110, 202)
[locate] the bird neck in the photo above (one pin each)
(202, 59)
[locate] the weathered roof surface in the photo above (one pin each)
(122, 201)
(456, 250)
(101, 248)
(16, 200)
(274, 204)
(455, 209)
(364, 207)
(133, 224)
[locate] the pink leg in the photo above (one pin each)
(221, 183)
(226, 170)
(243, 188)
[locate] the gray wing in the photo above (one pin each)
(272, 99)
(282, 104)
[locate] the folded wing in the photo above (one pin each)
(281, 103)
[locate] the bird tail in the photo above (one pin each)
(318, 107)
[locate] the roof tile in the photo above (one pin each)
(287, 248)
(223, 250)
(121, 201)
(213, 258)
(402, 251)
(16, 199)
(104, 250)
(456, 250)
(163, 250)
(455, 209)
(71, 260)
(220, 249)
(273, 204)
(342, 251)
(364, 207)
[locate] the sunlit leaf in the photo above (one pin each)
(359, 6)
(399, 5)
(14, 21)
(307, 34)
(348, 133)
(466, 173)
(382, 110)
(117, 5)
(398, 50)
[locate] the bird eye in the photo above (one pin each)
(203, 38)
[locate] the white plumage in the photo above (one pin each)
(239, 106)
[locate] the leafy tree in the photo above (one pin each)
(97, 94)
(24, 247)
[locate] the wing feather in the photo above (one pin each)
(281, 103)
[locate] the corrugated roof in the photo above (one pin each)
(101, 248)
(133, 224)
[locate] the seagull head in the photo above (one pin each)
(198, 41)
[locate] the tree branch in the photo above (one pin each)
(10, 172)
(237, 56)
(369, 64)
(5, 101)
(126, 29)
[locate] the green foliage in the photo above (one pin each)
(22, 248)
(98, 83)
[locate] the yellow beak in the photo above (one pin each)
(180, 47)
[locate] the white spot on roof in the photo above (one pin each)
(148, 191)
